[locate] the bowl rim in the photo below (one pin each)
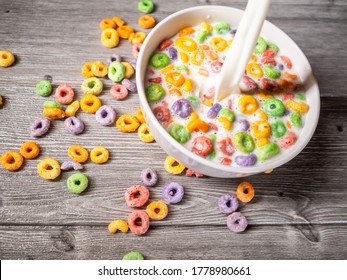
(309, 131)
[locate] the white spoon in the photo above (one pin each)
(241, 48)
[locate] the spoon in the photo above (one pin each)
(241, 48)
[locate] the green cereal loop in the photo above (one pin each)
(145, 6)
(274, 107)
(154, 93)
(159, 60)
(116, 71)
(201, 36)
(77, 183)
(225, 112)
(300, 97)
(271, 72)
(213, 137)
(179, 133)
(92, 86)
(181, 68)
(222, 28)
(267, 151)
(243, 142)
(261, 45)
(133, 256)
(43, 88)
(194, 101)
(295, 119)
(278, 129)
(51, 104)
(272, 46)
(212, 155)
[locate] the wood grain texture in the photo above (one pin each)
(299, 211)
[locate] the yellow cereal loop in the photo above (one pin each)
(261, 129)
(107, 23)
(299, 107)
(127, 123)
(187, 85)
(262, 96)
(78, 153)
(138, 38)
(207, 102)
(183, 57)
(6, 58)
(87, 70)
(131, 36)
(186, 44)
(262, 142)
(254, 70)
(139, 115)
(227, 125)
(253, 58)
(49, 168)
(145, 133)
(260, 114)
(99, 69)
(218, 44)
(167, 69)
(116, 225)
(90, 103)
(197, 125)
(157, 210)
(247, 104)
(72, 109)
(186, 31)
(99, 155)
(268, 171)
(129, 70)
(173, 166)
(197, 58)
(110, 38)
(206, 26)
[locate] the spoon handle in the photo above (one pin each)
(241, 48)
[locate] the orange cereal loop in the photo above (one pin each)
(53, 113)
(127, 123)
(118, 21)
(11, 160)
(203, 47)
(175, 79)
(30, 150)
(245, 192)
(124, 31)
(90, 103)
(78, 154)
(99, 69)
(290, 76)
(131, 37)
(140, 116)
(87, 70)
(110, 38)
(186, 31)
(175, 91)
(6, 58)
(212, 55)
(107, 23)
(146, 21)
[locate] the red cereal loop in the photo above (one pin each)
(286, 61)
(202, 146)
(268, 60)
(269, 53)
(138, 222)
(163, 45)
(287, 96)
(155, 80)
(162, 113)
(288, 141)
(190, 173)
(213, 126)
(224, 160)
(226, 146)
(119, 92)
(269, 85)
(164, 103)
(136, 196)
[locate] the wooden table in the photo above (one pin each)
(299, 210)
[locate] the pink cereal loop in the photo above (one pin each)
(136, 49)
(190, 173)
(119, 92)
(136, 217)
(210, 93)
(64, 94)
(288, 141)
(136, 196)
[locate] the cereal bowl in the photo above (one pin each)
(191, 17)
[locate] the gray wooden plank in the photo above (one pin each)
(259, 242)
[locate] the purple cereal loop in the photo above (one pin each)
(133, 63)
(105, 115)
(114, 57)
(182, 108)
(214, 110)
(233, 32)
(173, 193)
(236, 222)
(280, 66)
(74, 125)
(246, 161)
(129, 85)
(40, 127)
(172, 53)
(149, 177)
(69, 165)
(77, 165)
(228, 204)
(243, 125)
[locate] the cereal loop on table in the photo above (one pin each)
(49, 168)
(136, 196)
(90, 103)
(53, 113)
(145, 133)
(99, 69)
(129, 70)
(110, 38)
(124, 31)
(99, 155)
(146, 21)
(127, 123)
(72, 109)
(6, 58)
(245, 192)
(87, 70)
(118, 225)
(78, 153)
(119, 92)
(64, 94)
(107, 23)
(30, 150)
(138, 222)
(139, 116)
(12, 160)
(92, 86)
(157, 210)
(173, 166)
(77, 183)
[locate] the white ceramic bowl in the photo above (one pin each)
(191, 17)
